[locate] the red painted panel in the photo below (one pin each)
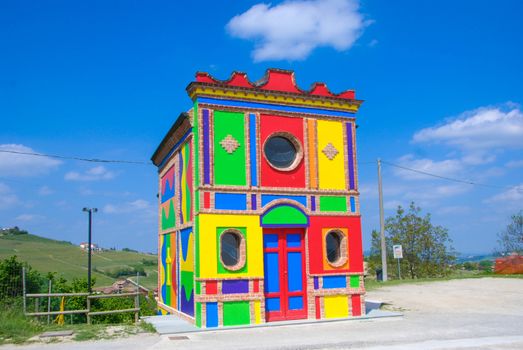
(211, 287)
(271, 177)
(356, 305)
(280, 80)
(318, 307)
(206, 200)
(256, 286)
(316, 253)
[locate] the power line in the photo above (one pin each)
(468, 182)
(92, 160)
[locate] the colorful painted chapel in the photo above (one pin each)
(259, 216)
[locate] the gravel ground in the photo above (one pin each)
(484, 313)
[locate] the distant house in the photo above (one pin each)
(94, 247)
(123, 286)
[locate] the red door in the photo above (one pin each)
(285, 284)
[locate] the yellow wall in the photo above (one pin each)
(331, 173)
(336, 306)
(208, 244)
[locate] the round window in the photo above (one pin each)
(333, 244)
(282, 151)
(232, 250)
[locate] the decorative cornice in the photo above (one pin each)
(278, 86)
(173, 136)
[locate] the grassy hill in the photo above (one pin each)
(47, 255)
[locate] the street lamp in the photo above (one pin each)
(90, 211)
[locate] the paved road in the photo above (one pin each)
(461, 314)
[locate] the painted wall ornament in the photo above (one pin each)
(259, 206)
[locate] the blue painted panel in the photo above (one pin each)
(272, 273)
(294, 273)
(270, 240)
(294, 240)
(252, 150)
(267, 198)
(295, 303)
(352, 204)
(211, 315)
(274, 107)
(330, 282)
(230, 201)
(272, 304)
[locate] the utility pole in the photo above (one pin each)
(90, 211)
(382, 227)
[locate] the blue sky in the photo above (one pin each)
(442, 83)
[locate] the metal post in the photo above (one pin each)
(382, 227)
(137, 298)
(24, 291)
(49, 303)
(90, 211)
(89, 253)
(399, 269)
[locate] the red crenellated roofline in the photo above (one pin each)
(274, 80)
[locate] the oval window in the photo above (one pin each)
(230, 248)
(333, 245)
(281, 152)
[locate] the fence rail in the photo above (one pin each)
(88, 312)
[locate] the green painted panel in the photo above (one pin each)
(169, 221)
(354, 281)
(222, 269)
(187, 278)
(198, 314)
(229, 168)
(284, 215)
(236, 313)
(332, 203)
(198, 288)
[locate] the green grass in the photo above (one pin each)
(14, 326)
(372, 284)
(47, 255)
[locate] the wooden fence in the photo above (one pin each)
(87, 311)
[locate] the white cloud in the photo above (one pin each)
(479, 130)
(514, 164)
(437, 192)
(128, 207)
(292, 29)
(45, 191)
(453, 209)
(512, 194)
(94, 174)
(28, 217)
(15, 164)
(448, 167)
(7, 197)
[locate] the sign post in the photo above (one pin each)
(398, 254)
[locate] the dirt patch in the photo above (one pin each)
(482, 295)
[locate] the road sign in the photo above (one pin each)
(398, 251)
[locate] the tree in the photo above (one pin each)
(427, 249)
(11, 284)
(511, 239)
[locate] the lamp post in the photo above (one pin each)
(90, 211)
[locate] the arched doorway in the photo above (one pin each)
(285, 286)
